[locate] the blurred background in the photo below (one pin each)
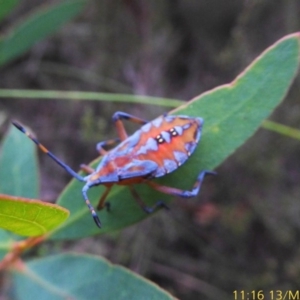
(243, 231)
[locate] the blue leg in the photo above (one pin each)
(100, 145)
(122, 115)
(181, 193)
(88, 203)
(118, 116)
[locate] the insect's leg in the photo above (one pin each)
(147, 209)
(87, 169)
(46, 151)
(118, 116)
(102, 202)
(91, 208)
(100, 145)
(181, 193)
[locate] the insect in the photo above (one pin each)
(159, 147)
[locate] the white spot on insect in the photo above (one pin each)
(180, 157)
(146, 127)
(190, 147)
(151, 145)
(159, 139)
(170, 165)
(198, 135)
(186, 126)
(160, 171)
(169, 119)
(166, 136)
(178, 129)
(157, 122)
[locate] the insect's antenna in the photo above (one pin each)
(46, 151)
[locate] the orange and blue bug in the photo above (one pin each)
(159, 147)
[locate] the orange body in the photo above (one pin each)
(157, 148)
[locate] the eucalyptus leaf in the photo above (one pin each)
(6, 7)
(18, 166)
(77, 276)
(29, 217)
(39, 25)
(232, 113)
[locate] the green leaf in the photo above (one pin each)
(28, 217)
(232, 113)
(18, 166)
(38, 26)
(71, 276)
(6, 7)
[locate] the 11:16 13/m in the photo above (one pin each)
(264, 295)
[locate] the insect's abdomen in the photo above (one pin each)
(168, 141)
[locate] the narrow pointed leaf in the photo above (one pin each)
(232, 113)
(6, 7)
(39, 25)
(28, 217)
(71, 276)
(18, 166)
